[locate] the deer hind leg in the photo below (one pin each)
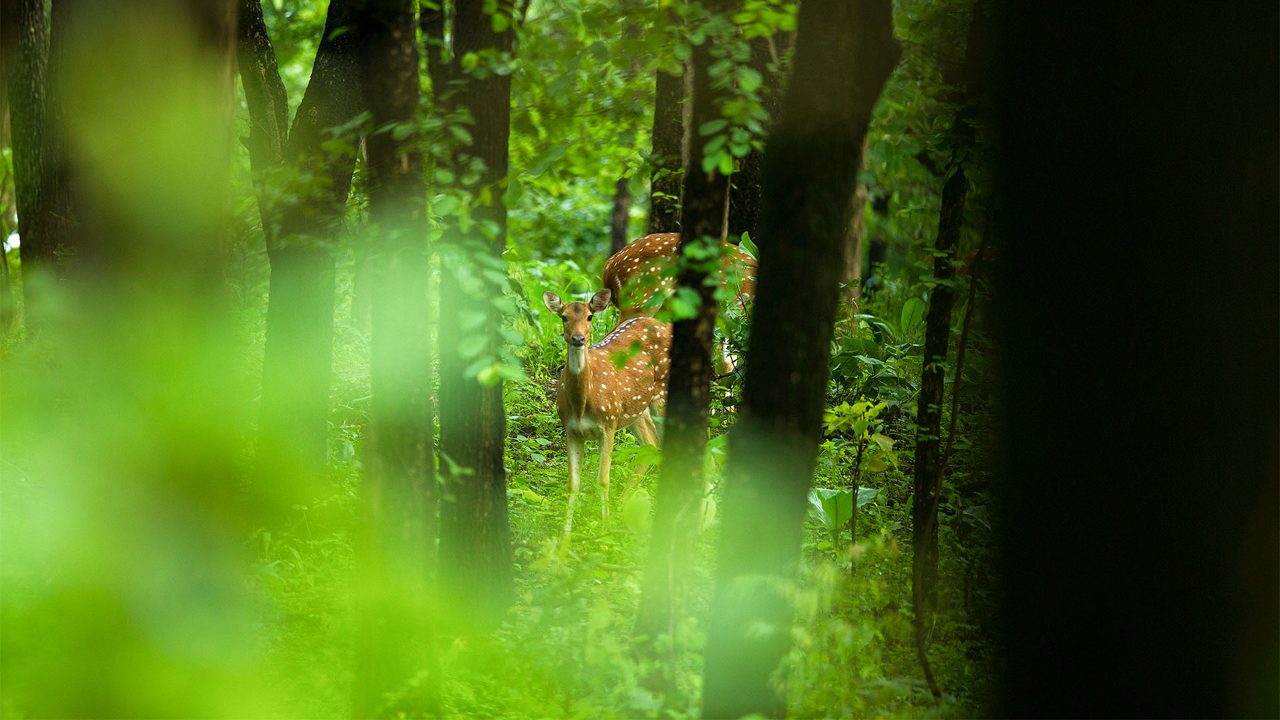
(648, 433)
(606, 457)
(575, 477)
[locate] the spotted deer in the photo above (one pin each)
(595, 397)
(635, 274)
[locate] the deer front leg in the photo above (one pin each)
(606, 456)
(575, 477)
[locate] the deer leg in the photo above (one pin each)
(606, 457)
(575, 477)
(648, 433)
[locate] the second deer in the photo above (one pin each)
(595, 397)
(638, 273)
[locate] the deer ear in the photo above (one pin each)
(600, 300)
(552, 301)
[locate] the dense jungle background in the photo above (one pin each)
(992, 428)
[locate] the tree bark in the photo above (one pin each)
(293, 425)
(24, 38)
(40, 168)
(401, 479)
(928, 466)
(927, 482)
(475, 539)
(680, 484)
(1136, 312)
(746, 184)
(620, 217)
(268, 106)
(853, 247)
(433, 21)
(844, 53)
(667, 160)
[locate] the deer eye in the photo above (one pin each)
(564, 319)
(589, 317)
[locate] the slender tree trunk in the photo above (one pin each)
(475, 540)
(844, 53)
(681, 486)
(293, 424)
(928, 465)
(746, 184)
(433, 21)
(620, 217)
(927, 482)
(24, 47)
(853, 247)
(268, 107)
(667, 159)
(401, 478)
(877, 248)
(40, 168)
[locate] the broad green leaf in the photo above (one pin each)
(912, 315)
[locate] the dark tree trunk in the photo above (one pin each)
(928, 463)
(844, 53)
(853, 247)
(745, 189)
(680, 485)
(1140, 406)
(433, 21)
(667, 158)
(620, 217)
(927, 484)
(24, 38)
(40, 168)
(877, 248)
(475, 540)
(268, 106)
(299, 347)
(401, 478)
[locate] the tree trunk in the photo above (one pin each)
(927, 484)
(620, 217)
(24, 52)
(401, 479)
(928, 465)
(268, 106)
(877, 249)
(293, 424)
(681, 486)
(746, 188)
(844, 53)
(1136, 311)
(475, 540)
(853, 247)
(40, 169)
(433, 21)
(667, 159)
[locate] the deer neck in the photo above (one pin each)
(577, 371)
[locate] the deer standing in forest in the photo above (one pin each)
(596, 398)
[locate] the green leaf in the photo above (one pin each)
(834, 507)
(866, 495)
(912, 315)
(712, 126)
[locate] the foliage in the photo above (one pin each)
(186, 588)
